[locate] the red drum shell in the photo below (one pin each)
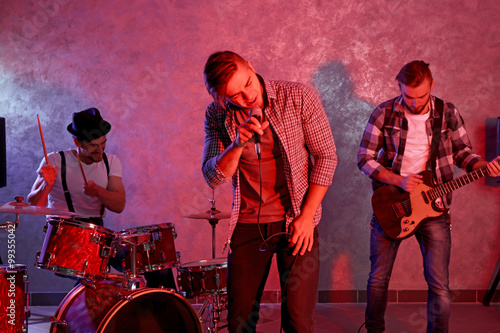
(105, 307)
(13, 298)
(157, 250)
(204, 277)
(76, 248)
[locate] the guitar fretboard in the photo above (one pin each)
(442, 190)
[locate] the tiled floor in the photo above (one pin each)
(331, 318)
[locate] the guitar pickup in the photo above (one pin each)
(424, 196)
(398, 210)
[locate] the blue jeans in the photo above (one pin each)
(248, 269)
(434, 237)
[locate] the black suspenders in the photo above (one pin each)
(64, 185)
(67, 195)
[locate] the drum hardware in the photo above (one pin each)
(85, 265)
(106, 251)
(96, 238)
(212, 216)
(218, 303)
(207, 279)
(10, 225)
(156, 236)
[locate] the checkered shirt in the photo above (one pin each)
(305, 138)
(384, 139)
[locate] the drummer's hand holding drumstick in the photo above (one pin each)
(91, 189)
(49, 172)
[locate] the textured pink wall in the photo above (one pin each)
(140, 62)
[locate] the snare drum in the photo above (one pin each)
(204, 277)
(154, 244)
(105, 307)
(13, 289)
(76, 248)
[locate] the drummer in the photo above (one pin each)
(84, 180)
(63, 185)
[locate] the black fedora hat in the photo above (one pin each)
(88, 125)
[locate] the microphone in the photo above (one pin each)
(256, 112)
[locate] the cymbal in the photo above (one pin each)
(24, 208)
(211, 214)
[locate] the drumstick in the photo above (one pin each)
(81, 167)
(43, 141)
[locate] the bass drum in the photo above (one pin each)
(105, 307)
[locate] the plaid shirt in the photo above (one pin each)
(300, 122)
(386, 133)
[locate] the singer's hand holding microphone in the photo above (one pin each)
(253, 126)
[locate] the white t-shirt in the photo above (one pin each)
(418, 144)
(84, 205)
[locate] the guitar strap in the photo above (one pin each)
(436, 135)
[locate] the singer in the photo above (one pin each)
(277, 196)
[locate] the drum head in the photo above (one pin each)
(152, 311)
(220, 262)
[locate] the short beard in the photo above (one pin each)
(416, 111)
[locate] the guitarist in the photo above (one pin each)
(404, 136)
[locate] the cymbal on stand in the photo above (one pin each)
(211, 214)
(19, 207)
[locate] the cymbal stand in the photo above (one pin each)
(218, 303)
(12, 225)
(213, 221)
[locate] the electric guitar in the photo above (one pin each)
(400, 213)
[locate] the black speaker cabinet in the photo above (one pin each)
(492, 144)
(3, 155)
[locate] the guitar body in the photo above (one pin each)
(400, 213)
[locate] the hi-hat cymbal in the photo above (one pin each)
(17, 207)
(211, 214)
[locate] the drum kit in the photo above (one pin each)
(109, 302)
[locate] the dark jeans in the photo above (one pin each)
(248, 269)
(434, 237)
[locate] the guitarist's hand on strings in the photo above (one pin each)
(410, 182)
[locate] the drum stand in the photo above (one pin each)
(132, 280)
(213, 220)
(218, 303)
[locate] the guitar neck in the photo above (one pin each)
(442, 190)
